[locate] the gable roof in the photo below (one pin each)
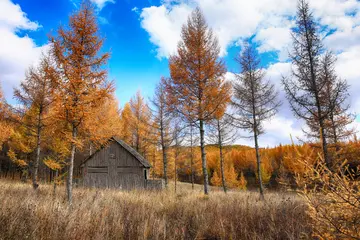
(132, 151)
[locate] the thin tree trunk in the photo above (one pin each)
(154, 160)
(203, 158)
(221, 158)
(90, 149)
(175, 169)
(258, 161)
(55, 180)
(37, 158)
(164, 152)
(324, 144)
(192, 158)
(335, 137)
(71, 166)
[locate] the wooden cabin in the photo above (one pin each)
(115, 165)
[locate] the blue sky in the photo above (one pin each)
(134, 64)
(141, 34)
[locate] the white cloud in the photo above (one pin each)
(270, 21)
(234, 20)
(101, 3)
(341, 40)
(275, 39)
(135, 9)
(16, 53)
(347, 67)
(13, 18)
(164, 26)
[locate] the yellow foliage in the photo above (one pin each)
(19, 162)
(52, 164)
(242, 182)
(216, 180)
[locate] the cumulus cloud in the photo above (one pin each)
(16, 53)
(233, 20)
(270, 22)
(164, 26)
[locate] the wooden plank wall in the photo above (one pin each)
(114, 167)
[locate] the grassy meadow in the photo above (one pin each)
(110, 214)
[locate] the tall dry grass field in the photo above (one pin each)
(109, 214)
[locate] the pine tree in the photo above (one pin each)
(162, 117)
(35, 97)
(254, 100)
(5, 126)
(197, 89)
(307, 86)
(222, 132)
(82, 85)
(140, 124)
(126, 120)
(334, 96)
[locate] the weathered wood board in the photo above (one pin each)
(115, 166)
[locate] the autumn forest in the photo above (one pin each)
(66, 109)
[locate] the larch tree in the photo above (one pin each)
(35, 97)
(306, 87)
(222, 132)
(254, 99)
(5, 126)
(163, 117)
(140, 124)
(197, 88)
(126, 120)
(334, 96)
(105, 123)
(82, 85)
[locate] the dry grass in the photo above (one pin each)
(109, 214)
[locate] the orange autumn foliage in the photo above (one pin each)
(5, 127)
(82, 85)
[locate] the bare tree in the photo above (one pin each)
(308, 84)
(162, 117)
(334, 95)
(254, 99)
(222, 132)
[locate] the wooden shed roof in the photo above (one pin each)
(132, 151)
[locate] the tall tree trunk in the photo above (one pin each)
(192, 158)
(71, 165)
(335, 136)
(164, 152)
(324, 144)
(258, 161)
(175, 178)
(55, 181)
(37, 157)
(221, 158)
(203, 158)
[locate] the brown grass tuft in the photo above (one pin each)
(109, 214)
